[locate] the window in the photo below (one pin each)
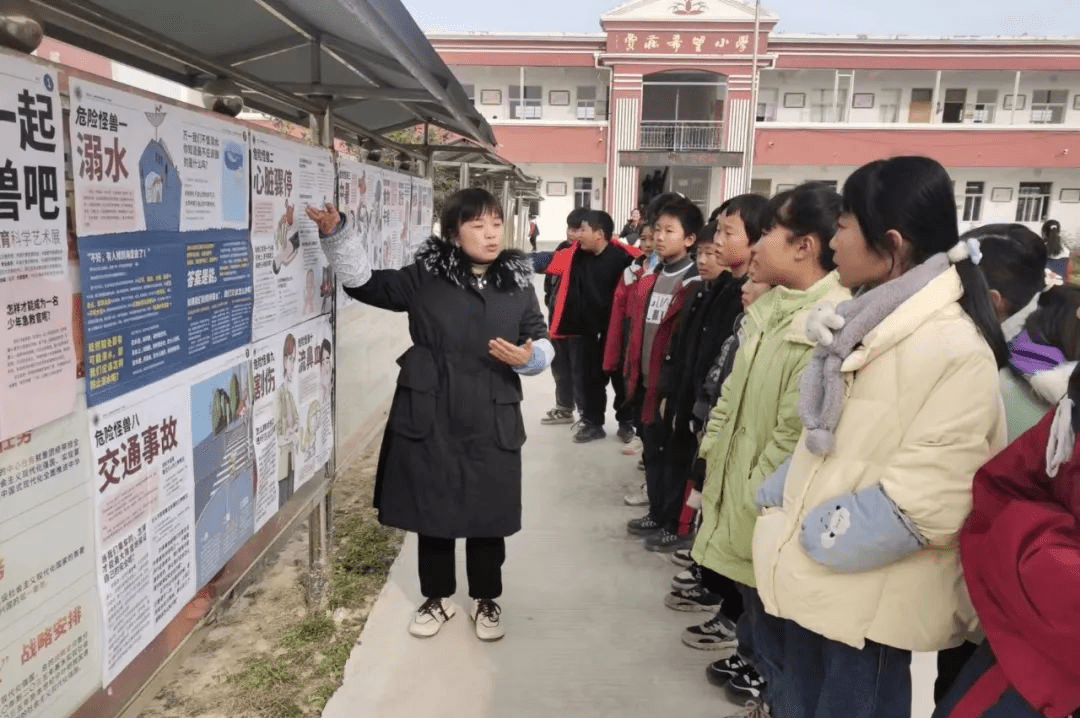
(953, 110)
(470, 92)
(1048, 106)
(973, 201)
(1033, 203)
(583, 193)
(527, 107)
(889, 106)
(827, 106)
(591, 103)
(921, 110)
(768, 99)
(985, 104)
(831, 184)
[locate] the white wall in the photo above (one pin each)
(553, 209)
(549, 78)
(807, 81)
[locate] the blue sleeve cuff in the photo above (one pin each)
(860, 532)
(771, 492)
(542, 354)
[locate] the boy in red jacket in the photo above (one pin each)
(652, 304)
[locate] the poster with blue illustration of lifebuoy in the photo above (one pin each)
(161, 200)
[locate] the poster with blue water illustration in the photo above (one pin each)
(161, 206)
(223, 462)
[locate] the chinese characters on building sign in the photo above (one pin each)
(684, 43)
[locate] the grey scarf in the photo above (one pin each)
(821, 394)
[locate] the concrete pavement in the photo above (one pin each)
(587, 633)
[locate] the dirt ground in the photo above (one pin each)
(277, 652)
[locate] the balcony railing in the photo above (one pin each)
(682, 136)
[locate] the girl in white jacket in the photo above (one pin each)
(857, 544)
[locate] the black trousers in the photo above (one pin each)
(566, 396)
(727, 589)
(590, 381)
(484, 558)
(950, 663)
(669, 460)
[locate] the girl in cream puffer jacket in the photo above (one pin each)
(856, 548)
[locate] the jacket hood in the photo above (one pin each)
(1052, 385)
(512, 269)
(784, 305)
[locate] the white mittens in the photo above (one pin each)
(1059, 448)
(345, 250)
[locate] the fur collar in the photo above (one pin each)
(512, 269)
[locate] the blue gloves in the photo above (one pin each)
(859, 532)
(771, 492)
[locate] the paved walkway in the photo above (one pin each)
(587, 633)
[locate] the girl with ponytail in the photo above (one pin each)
(856, 547)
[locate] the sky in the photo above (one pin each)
(872, 17)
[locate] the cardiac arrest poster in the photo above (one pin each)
(144, 506)
(37, 356)
(293, 428)
(50, 638)
(161, 197)
(286, 178)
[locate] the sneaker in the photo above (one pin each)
(753, 709)
(641, 498)
(645, 526)
(431, 616)
(486, 614)
(693, 599)
(722, 671)
(632, 447)
(713, 635)
(690, 578)
(641, 464)
(682, 557)
(558, 415)
(666, 542)
(589, 432)
(626, 432)
(746, 688)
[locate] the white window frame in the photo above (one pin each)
(974, 196)
(529, 107)
(583, 190)
(768, 101)
(1045, 110)
(889, 104)
(827, 107)
(984, 111)
(1033, 201)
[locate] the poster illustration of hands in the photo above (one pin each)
(292, 385)
(286, 178)
(50, 634)
(143, 485)
(161, 197)
(37, 356)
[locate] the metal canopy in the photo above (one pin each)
(365, 62)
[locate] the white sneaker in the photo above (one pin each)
(486, 613)
(431, 616)
(633, 447)
(641, 498)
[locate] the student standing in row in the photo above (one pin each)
(856, 547)
(588, 273)
(755, 425)
(566, 398)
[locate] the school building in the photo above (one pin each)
(664, 99)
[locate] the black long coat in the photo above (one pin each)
(450, 465)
